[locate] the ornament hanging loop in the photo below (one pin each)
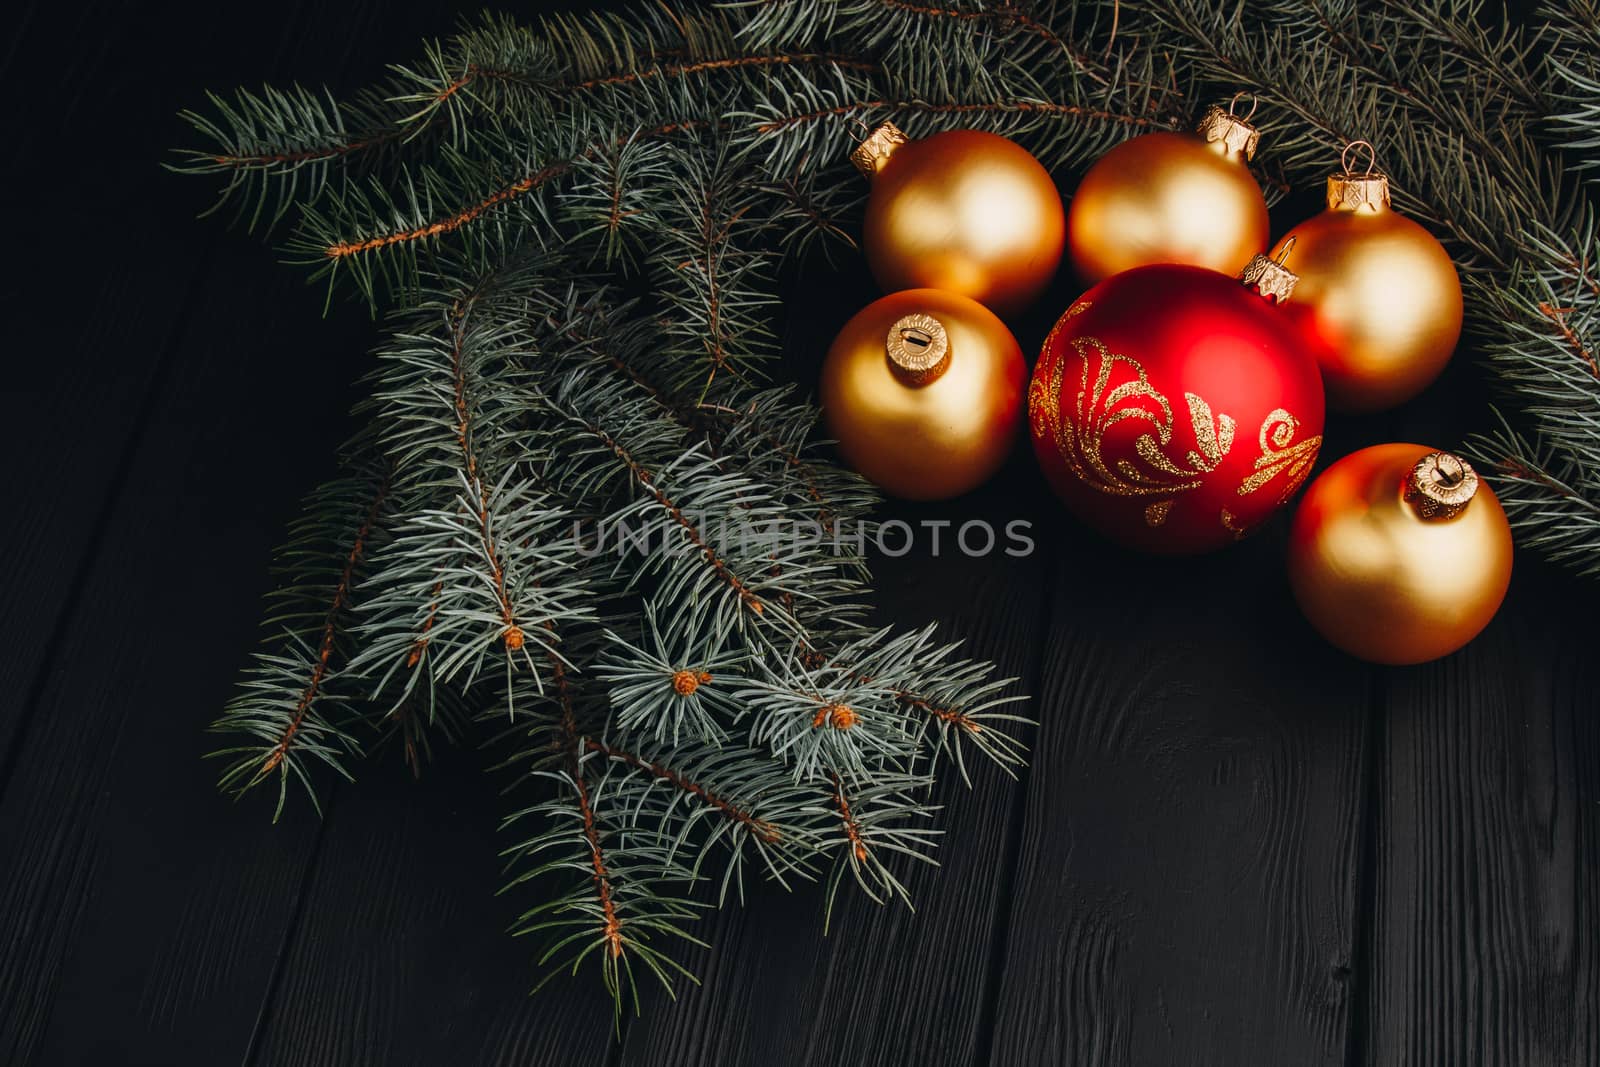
(918, 347)
(872, 154)
(1230, 132)
(1372, 158)
(1350, 191)
(1233, 102)
(1440, 486)
(1268, 275)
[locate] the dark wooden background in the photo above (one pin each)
(1234, 845)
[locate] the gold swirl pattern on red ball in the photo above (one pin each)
(1279, 456)
(1114, 387)
(1111, 389)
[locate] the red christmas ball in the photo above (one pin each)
(1173, 409)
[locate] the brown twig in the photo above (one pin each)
(521, 187)
(475, 72)
(645, 479)
(807, 473)
(852, 829)
(1511, 467)
(343, 249)
(727, 63)
(1042, 107)
(1005, 13)
(760, 827)
(512, 634)
(1558, 317)
(1581, 268)
(612, 926)
(713, 234)
(421, 644)
(953, 716)
(330, 627)
(307, 155)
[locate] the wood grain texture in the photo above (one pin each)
(117, 838)
(1186, 889)
(140, 912)
(105, 272)
(32, 58)
(402, 955)
(1485, 939)
(113, 259)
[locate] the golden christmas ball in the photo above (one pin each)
(1171, 198)
(922, 390)
(964, 211)
(1399, 553)
(1379, 300)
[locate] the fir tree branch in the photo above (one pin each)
(1552, 502)
(1006, 14)
(512, 636)
(1001, 107)
(852, 829)
(760, 828)
(647, 481)
(874, 822)
(1560, 320)
(341, 597)
(702, 66)
(484, 205)
(573, 743)
(292, 705)
(344, 249)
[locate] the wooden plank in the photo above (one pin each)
(1186, 888)
(36, 58)
(141, 904)
(107, 280)
(1485, 938)
(402, 954)
(114, 258)
(140, 909)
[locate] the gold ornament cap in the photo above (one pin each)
(1268, 276)
(1220, 124)
(918, 346)
(1350, 191)
(872, 154)
(1440, 486)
